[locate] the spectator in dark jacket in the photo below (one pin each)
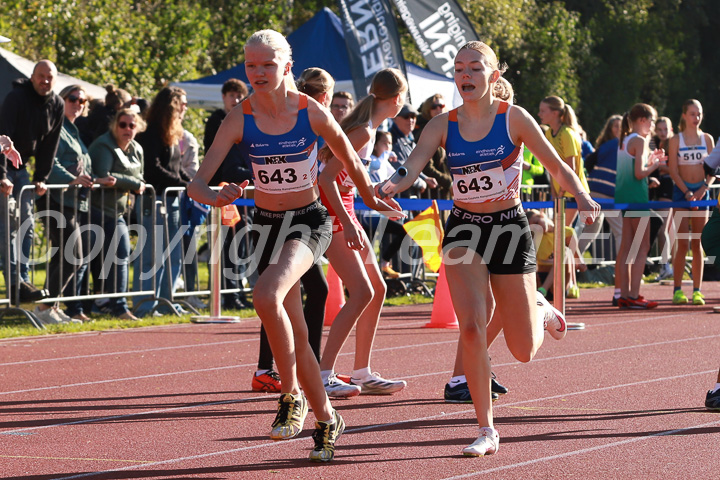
(162, 169)
(32, 116)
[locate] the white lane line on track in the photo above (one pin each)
(395, 348)
(432, 417)
(582, 451)
(224, 367)
(156, 349)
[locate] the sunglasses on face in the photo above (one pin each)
(409, 117)
(438, 105)
(124, 125)
(76, 99)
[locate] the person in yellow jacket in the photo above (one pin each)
(564, 137)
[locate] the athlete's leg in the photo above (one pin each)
(697, 223)
(469, 288)
(348, 265)
(515, 296)
(681, 245)
(271, 290)
(368, 322)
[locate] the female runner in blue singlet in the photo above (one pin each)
(278, 127)
(686, 154)
(484, 139)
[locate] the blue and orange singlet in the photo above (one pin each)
(281, 163)
(487, 170)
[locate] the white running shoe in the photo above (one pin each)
(334, 387)
(553, 320)
(376, 385)
(53, 316)
(486, 444)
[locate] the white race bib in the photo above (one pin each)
(473, 184)
(284, 177)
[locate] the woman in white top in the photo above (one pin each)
(687, 151)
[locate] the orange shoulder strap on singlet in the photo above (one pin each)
(303, 103)
(247, 109)
(452, 116)
(502, 108)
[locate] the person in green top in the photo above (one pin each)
(116, 154)
(71, 166)
(635, 162)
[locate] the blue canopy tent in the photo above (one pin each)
(319, 42)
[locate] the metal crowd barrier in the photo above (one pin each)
(191, 258)
(42, 251)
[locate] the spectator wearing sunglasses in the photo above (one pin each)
(63, 207)
(404, 143)
(437, 166)
(32, 115)
(97, 121)
(116, 154)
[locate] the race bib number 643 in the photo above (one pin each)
(481, 181)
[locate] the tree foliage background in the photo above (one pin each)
(601, 56)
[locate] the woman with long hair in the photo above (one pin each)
(277, 129)
(686, 156)
(484, 138)
(351, 253)
(564, 137)
(162, 169)
(635, 162)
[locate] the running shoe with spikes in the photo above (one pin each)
(325, 436)
(496, 387)
(712, 400)
(487, 443)
(334, 387)
(553, 320)
(698, 298)
(460, 393)
(374, 384)
(266, 382)
(638, 303)
(292, 410)
(679, 298)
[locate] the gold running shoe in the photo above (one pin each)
(292, 410)
(325, 436)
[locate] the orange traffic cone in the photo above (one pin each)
(336, 296)
(443, 313)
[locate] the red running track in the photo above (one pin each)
(621, 399)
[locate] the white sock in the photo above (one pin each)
(260, 372)
(717, 387)
(332, 419)
(361, 373)
(458, 379)
(617, 293)
(325, 374)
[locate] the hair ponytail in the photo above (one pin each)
(386, 84)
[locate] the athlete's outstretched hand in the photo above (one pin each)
(388, 207)
(229, 193)
(589, 209)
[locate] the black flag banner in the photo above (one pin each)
(372, 40)
(439, 30)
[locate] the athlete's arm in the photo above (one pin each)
(230, 132)
(524, 129)
(710, 143)
(330, 189)
(324, 125)
(432, 138)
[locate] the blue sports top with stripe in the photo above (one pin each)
(487, 170)
(281, 163)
